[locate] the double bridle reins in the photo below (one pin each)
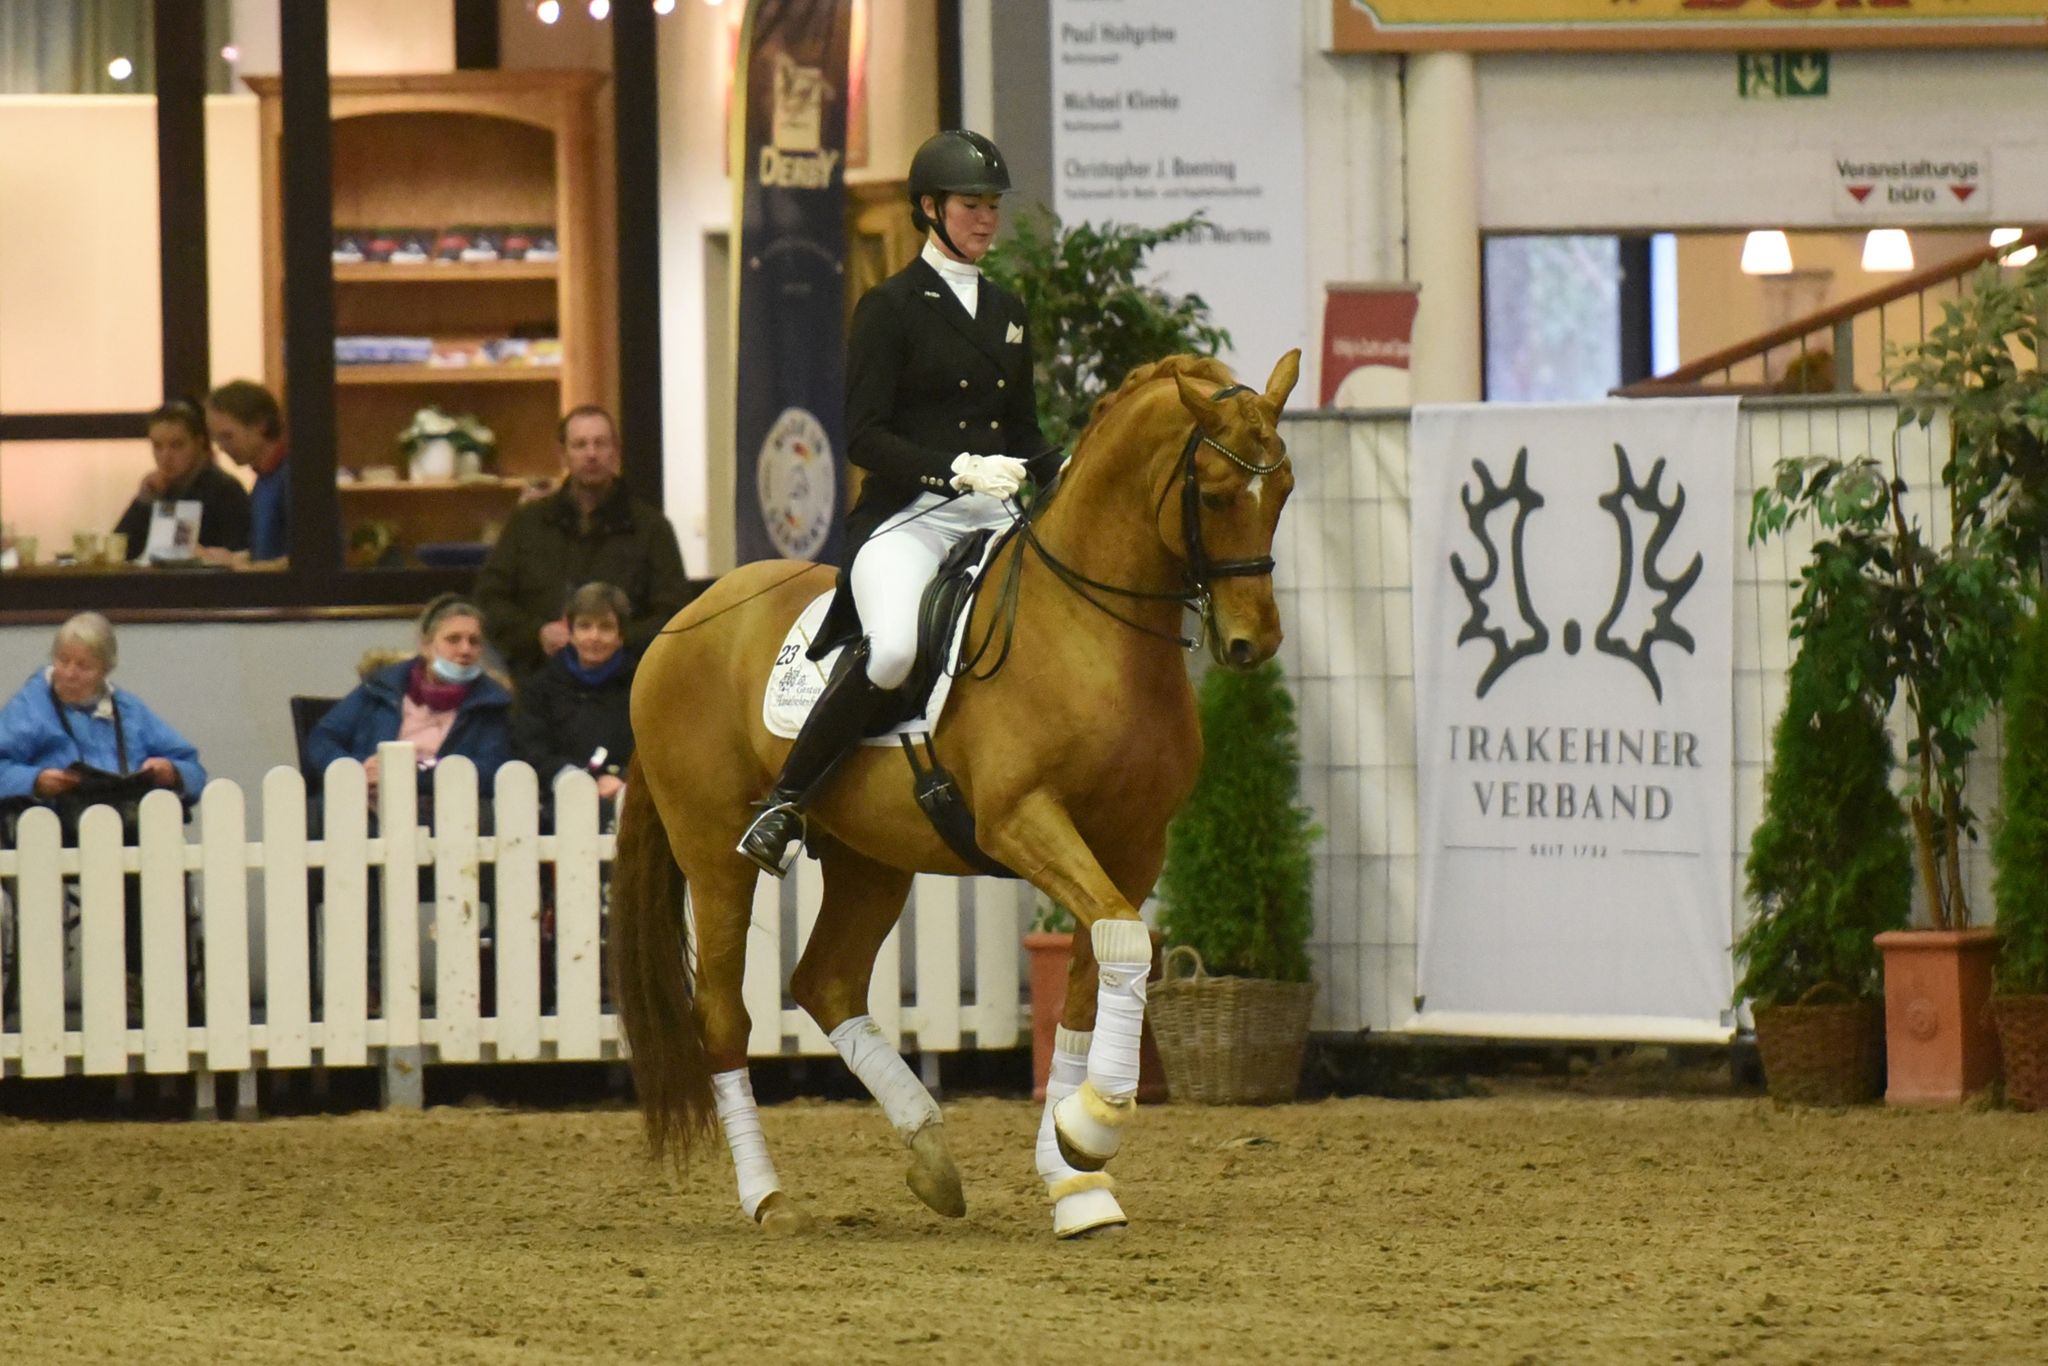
(1198, 569)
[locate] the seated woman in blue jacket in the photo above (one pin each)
(441, 701)
(69, 734)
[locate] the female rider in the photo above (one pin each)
(942, 414)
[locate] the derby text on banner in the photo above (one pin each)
(1574, 607)
(1581, 25)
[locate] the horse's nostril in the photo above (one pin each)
(1240, 651)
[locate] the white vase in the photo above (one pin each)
(433, 458)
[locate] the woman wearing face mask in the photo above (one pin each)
(441, 702)
(186, 472)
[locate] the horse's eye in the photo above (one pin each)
(1218, 501)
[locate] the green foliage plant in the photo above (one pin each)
(1829, 864)
(1942, 605)
(1239, 880)
(1092, 320)
(2019, 842)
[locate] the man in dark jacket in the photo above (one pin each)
(590, 529)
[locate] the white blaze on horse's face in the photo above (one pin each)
(1257, 483)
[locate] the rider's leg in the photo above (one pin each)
(888, 577)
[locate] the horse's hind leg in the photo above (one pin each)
(721, 901)
(863, 900)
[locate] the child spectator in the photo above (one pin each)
(572, 713)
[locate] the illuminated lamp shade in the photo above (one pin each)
(2005, 237)
(600, 10)
(1887, 250)
(120, 68)
(548, 11)
(664, 6)
(1767, 252)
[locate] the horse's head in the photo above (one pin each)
(1234, 479)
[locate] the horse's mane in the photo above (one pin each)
(1199, 367)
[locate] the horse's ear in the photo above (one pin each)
(1281, 384)
(1208, 413)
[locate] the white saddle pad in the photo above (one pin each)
(796, 680)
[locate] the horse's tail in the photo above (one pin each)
(652, 978)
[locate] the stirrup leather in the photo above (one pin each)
(769, 844)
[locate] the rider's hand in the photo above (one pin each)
(999, 476)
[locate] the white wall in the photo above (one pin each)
(1662, 140)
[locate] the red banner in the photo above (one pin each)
(1366, 345)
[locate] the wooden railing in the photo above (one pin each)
(1790, 359)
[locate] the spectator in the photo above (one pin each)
(441, 701)
(185, 472)
(246, 423)
(70, 739)
(573, 713)
(589, 530)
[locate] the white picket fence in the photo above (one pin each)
(428, 992)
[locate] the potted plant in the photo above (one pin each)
(1829, 869)
(2019, 858)
(1092, 321)
(1943, 611)
(1237, 894)
(440, 447)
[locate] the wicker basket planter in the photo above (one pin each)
(1822, 1054)
(2023, 1041)
(1228, 1040)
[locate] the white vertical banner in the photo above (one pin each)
(1574, 617)
(1164, 107)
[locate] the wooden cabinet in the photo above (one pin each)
(425, 153)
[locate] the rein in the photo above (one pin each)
(1198, 569)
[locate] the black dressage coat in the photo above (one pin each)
(926, 381)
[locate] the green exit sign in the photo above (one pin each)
(1781, 75)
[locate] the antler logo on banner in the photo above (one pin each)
(1528, 635)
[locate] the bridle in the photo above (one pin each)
(1199, 571)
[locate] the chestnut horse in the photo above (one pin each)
(1073, 756)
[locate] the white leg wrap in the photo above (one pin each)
(1080, 1201)
(734, 1094)
(881, 1069)
(1123, 955)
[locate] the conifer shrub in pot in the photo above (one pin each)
(1232, 1011)
(2019, 857)
(1829, 869)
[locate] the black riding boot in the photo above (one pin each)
(829, 733)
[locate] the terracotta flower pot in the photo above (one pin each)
(2023, 1046)
(1940, 1045)
(1049, 956)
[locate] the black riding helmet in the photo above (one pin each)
(954, 162)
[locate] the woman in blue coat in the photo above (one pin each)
(69, 733)
(441, 701)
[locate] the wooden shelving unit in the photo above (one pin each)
(489, 148)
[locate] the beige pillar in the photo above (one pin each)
(1441, 124)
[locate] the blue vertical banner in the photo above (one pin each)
(789, 159)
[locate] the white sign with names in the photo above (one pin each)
(1164, 107)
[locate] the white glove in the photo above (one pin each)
(999, 476)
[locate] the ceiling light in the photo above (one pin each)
(2023, 256)
(664, 6)
(2004, 236)
(120, 68)
(1767, 252)
(548, 11)
(231, 54)
(600, 10)
(1887, 250)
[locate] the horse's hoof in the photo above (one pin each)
(1089, 1128)
(781, 1217)
(932, 1176)
(1090, 1213)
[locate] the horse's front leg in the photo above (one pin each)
(1038, 839)
(1081, 1201)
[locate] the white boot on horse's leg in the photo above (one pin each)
(871, 1057)
(1089, 1124)
(1082, 1202)
(761, 1194)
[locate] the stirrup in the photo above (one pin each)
(760, 847)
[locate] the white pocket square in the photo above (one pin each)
(1014, 333)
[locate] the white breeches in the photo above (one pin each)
(891, 570)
